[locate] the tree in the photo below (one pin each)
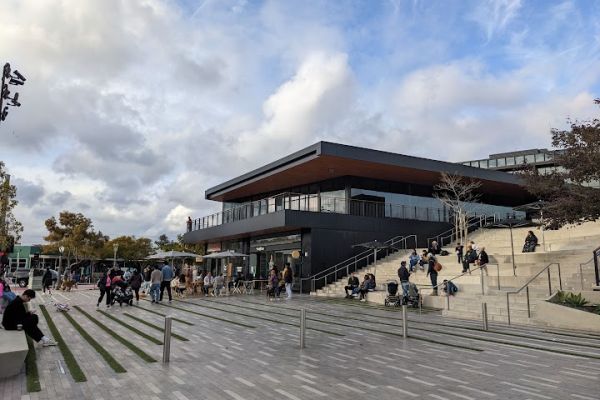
(10, 227)
(76, 234)
(567, 192)
(455, 191)
(164, 244)
(130, 248)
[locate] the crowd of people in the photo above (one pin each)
(426, 261)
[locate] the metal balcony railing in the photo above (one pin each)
(322, 204)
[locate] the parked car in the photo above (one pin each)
(20, 276)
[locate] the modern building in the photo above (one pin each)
(311, 207)
(541, 159)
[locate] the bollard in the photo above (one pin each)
(482, 290)
(302, 327)
(404, 322)
(484, 314)
(167, 340)
(447, 300)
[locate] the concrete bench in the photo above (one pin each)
(13, 350)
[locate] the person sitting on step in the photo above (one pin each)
(16, 317)
(368, 285)
(352, 284)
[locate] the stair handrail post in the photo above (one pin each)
(549, 283)
(448, 301)
(508, 306)
(559, 277)
(581, 275)
(528, 304)
(484, 315)
(313, 284)
(498, 270)
(482, 285)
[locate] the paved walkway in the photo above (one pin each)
(245, 347)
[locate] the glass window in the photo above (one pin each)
(483, 164)
(510, 161)
(475, 164)
(539, 157)
(530, 158)
(493, 163)
(501, 162)
(519, 160)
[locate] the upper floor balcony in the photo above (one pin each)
(318, 203)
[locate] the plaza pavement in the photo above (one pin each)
(263, 360)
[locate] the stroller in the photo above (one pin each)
(392, 298)
(122, 294)
(413, 296)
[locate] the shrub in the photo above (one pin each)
(575, 300)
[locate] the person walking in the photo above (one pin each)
(483, 260)
(288, 278)
(404, 275)
(433, 274)
(167, 277)
(155, 284)
(136, 283)
(459, 252)
(47, 281)
(469, 258)
(15, 314)
(105, 285)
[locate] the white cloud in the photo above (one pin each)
(318, 96)
(495, 15)
(132, 109)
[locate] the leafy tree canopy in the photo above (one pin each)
(10, 227)
(568, 192)
(130, 248)
(76, 234)
(164, 244)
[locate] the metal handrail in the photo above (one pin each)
(365, 255)
(480, 268)
(526, 287)
(369, 251)
(317, 203)
(597, 265)
(581, 270)
(472, 221)
(447, 233)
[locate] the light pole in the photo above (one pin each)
(115, 248)
(61, 250)
(14, 78)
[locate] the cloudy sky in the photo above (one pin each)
(132, 108)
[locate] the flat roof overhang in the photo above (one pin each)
(325, 160)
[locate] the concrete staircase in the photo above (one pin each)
(569, 246)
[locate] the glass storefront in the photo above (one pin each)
(278, 250)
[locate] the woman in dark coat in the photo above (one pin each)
(47, 280)
(530, 242)
(136, 282)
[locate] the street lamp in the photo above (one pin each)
(61, 250)
(115, 248)
(14, 78)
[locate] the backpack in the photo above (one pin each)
(452, 288)
(437, 266)
(444, 253)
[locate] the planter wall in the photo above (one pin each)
(559, 316)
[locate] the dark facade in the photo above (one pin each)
(310, 207)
